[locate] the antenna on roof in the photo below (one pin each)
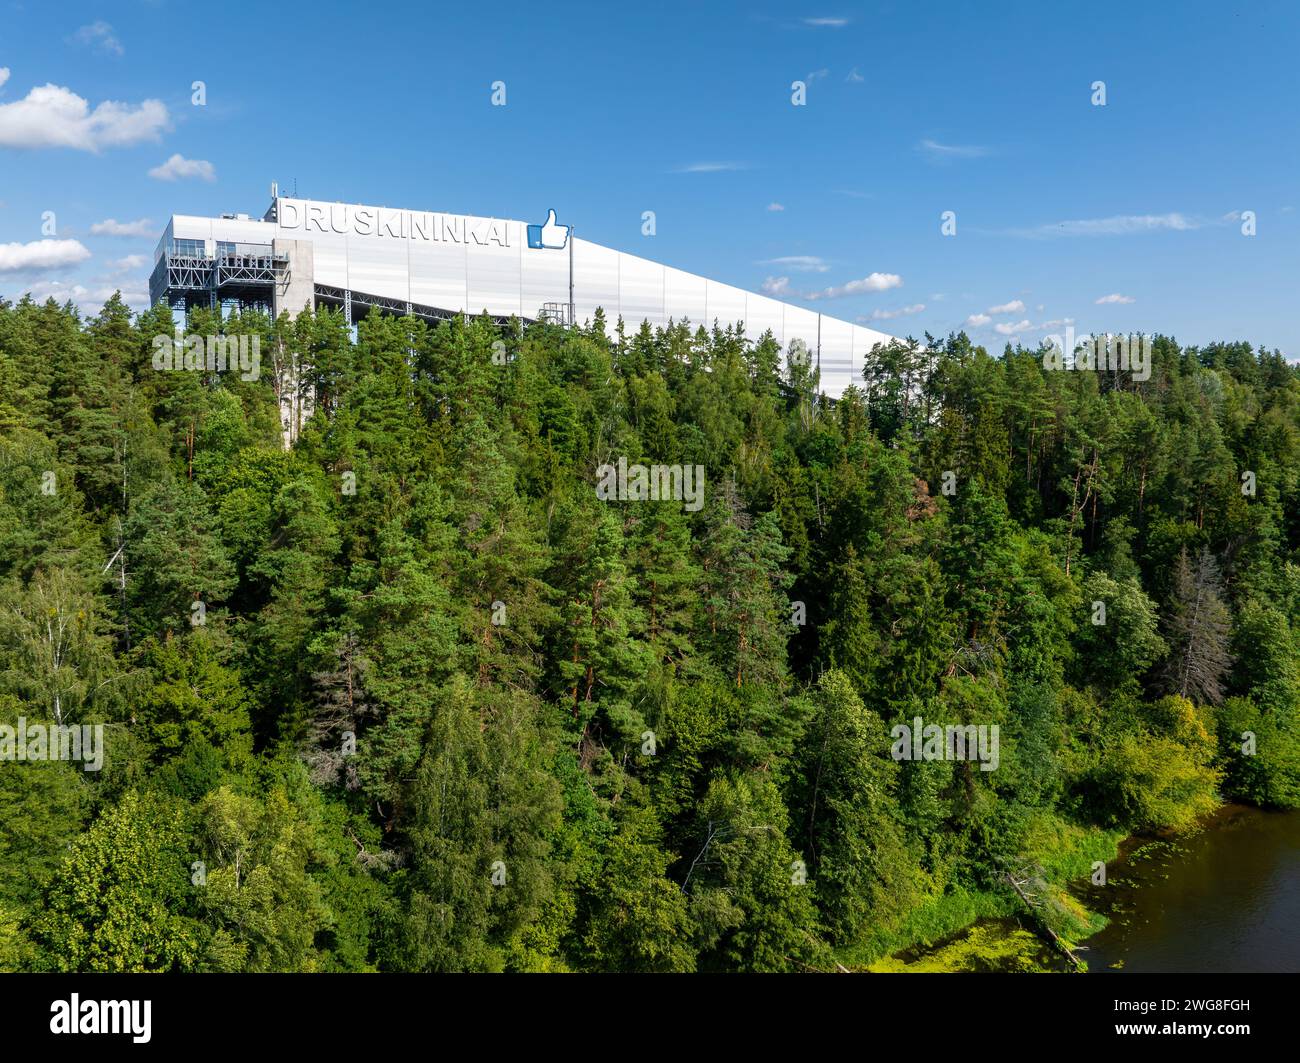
(275, 189)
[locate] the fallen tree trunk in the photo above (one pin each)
(1041, 923)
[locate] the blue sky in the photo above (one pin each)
(913, 109)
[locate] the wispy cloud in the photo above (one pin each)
(1015, 306)
(826, 22)
(853, 76)
(128, 263)
(113, 227)
(178, 167)
(88, 299)
(776, 207)
(1114, 298)
(1010, 328)
(813, 75)
(41, 254)
(873, 282)
(99, 35)
(802, 263)
(711, 167)
(4, 75)
(937, 152)
(1115, 225)
(886, 315)
(853, 194)
(52, 116)
(1013, 328)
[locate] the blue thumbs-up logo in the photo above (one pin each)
(548, 234)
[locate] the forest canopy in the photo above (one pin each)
(410, 694)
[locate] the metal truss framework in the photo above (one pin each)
(348, 299)
(253, 278)
(223, 276)
(557, 313)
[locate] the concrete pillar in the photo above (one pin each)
(297, 294)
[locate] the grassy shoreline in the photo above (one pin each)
(976, 930)
(949, 931)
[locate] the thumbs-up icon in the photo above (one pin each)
(548, 234)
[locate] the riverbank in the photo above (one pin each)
(950, 930)
(1222, 896)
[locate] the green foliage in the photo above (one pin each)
(851, 827)
(639, 919)
(113, 904)
(443, 708)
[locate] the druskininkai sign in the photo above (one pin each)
(344, 219)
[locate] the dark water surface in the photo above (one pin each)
(1226, 898)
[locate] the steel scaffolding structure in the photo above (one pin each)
(255, 277)
(556, 313)
(251, 276)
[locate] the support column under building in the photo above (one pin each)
(296, 294)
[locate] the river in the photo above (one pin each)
(1225, 898)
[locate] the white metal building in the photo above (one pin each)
(305, 252)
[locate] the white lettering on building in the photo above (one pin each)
(381, 222)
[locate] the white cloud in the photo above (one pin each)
(938, 151)
(4, 75)
(776, 286)
(128, 263)
(854, 76)
(52, 116)
(1012, 330)
(826, 23)
(178, 167)
(813, 75)
(99, 35)
(801, 263)
(1116, 225)
(89, 300)
(775, 206)
(60, 291)
(113, 227)
(885, 315)
(711, 167)
(1114, 297)
(980, 320)
(41, 254)
(873, 282)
